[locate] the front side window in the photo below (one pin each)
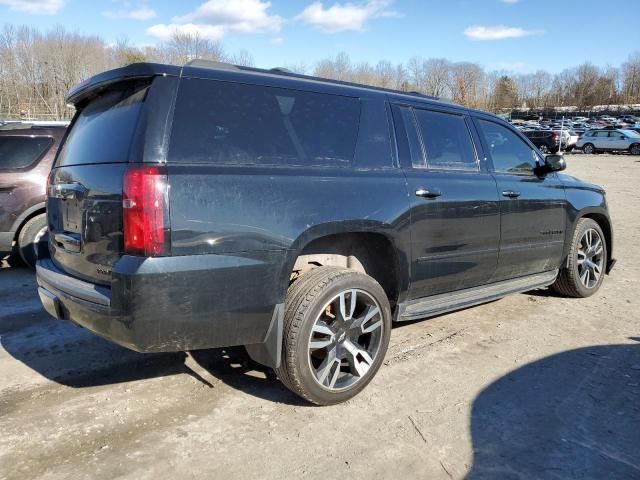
(509, 153)
(238, 124)
(17, 152)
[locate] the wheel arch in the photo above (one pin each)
(603, 221)
(28, 214)
(371, 252)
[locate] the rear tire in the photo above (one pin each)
(584, 252)
(32, 234)
(333, 345)
(589, 149)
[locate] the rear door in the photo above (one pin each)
(532, 208)
(84, 199)
(454, 203)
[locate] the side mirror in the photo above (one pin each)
(555, 163)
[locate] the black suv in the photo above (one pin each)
(546, 140)
(214, 205)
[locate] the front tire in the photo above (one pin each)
(586, 262)
(337, 326)
(635, 149)
(31, 235)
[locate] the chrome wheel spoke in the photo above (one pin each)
(368, 322)
(590, 258)
(347, 307)
(329, 370)
(345, 339)
(326, 334)
(359, 360)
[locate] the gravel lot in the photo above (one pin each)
(530, 386)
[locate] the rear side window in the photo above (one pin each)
(446, 140)
(104, 129)
(21, 152)
(238, 124)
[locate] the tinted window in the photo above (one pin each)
(407, 137)
(509, 152)
(446, 139)
(21, 152)
(104, 129)
(230, 123)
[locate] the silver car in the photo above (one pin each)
(595, 141)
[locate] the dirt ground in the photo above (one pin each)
(530, 386)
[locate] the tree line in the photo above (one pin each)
(37, 69)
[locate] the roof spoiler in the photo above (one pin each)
(131, 72)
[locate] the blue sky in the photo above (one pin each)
(516, 35)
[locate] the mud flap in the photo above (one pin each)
(269, 352)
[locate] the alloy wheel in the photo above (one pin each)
(345, 339)
(590, 258)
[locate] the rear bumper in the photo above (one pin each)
(176, 303)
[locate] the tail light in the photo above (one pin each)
(145, 211)
(554, 136)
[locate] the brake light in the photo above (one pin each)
(554, 136)
(145, 211)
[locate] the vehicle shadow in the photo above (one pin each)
(77, 358)
(571, 415)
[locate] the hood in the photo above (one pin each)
(574, 182)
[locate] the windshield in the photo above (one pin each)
(632, 133)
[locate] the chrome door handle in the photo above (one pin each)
(428, 192)
(510, 194)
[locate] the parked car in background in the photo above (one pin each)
(26, 155)
(211, 205)
(630, 119)
(596, 141)
(547, 141)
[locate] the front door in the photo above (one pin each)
(454, 202)
(532, 207)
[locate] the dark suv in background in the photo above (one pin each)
(26, 155)
(546, 140)
(214, 205)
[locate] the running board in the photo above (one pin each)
(446, 302)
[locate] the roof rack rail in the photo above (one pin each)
(199, 63)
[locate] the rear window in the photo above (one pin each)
(446, 139)
(21, 152)
(104, 129)
(237, 124)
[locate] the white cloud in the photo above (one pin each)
(214, 18)
(142, 13)
(164, 31)
(35, 7)
(341, 17)
(499, 32)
